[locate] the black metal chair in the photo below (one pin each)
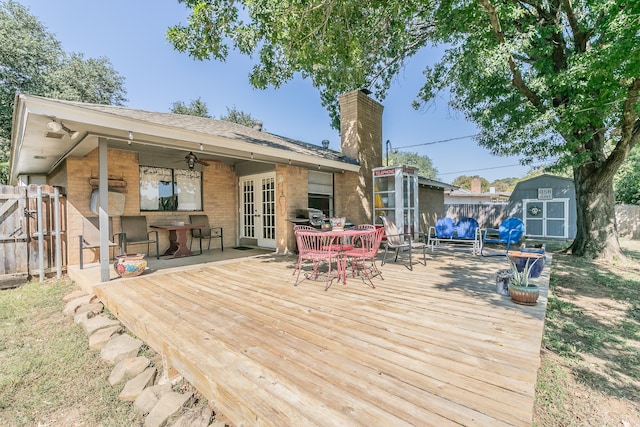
(134, 232)
(206, 232)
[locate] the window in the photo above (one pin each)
(321, 192)
(163, 189)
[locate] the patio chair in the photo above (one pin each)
(364, 227)
(397, 241)
(205, 233)
(317, 248)
(134, 232)
(509, 233)
(90, 237)
(366, 250)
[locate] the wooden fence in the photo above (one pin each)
(491, 215)
(628, 219)
(32, 233)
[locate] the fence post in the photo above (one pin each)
(40, 234)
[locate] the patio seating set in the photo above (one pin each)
(357, 246)
(135, 231)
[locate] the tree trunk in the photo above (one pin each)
(597, 232)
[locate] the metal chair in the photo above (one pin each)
(317, 248)
(206, 232)
(398, 241)
(366, 250)
(90, 237)
(509, 233)
(134, 232)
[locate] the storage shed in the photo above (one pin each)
(547, 205)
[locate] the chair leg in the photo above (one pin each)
(410, 259)
(200, 240)
(384, 257)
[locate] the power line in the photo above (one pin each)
(494, 167)
(436, 142)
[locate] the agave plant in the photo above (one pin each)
(521, 278)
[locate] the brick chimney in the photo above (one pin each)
(361, 139)
(476, 185)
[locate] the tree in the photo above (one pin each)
(465, 181)
(240, 117)
(627, 181)
(32, 61)
(545, 80)
(421, 162)
(195, 108)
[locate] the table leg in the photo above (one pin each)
(173, 243)
(182, 250)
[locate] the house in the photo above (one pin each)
(165, 166)
(547, 206)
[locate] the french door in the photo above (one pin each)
(258, 209)
(546, 218)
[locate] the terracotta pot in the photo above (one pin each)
(130, 265)
(524, 295)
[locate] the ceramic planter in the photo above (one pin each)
(130, 265)
(525, 295)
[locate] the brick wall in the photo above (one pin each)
(361, 134)
(291, 194)
(220, 198)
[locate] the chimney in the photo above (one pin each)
(476, 185)
(361, 139)
(257, 125)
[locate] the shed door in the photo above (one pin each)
(546, 218)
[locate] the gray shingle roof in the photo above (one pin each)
(220, 128)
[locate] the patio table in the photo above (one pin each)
(177, 239)
(346, 239)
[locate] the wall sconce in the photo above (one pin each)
(54, 126)
(191, 160)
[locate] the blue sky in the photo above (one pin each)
(131, 33)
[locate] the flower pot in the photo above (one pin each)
(520, 261)
(525, 295)
(130, 265)
(337, 224)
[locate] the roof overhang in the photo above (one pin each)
(37, 151)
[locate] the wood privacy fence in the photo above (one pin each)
(628, 219)
(32, 231)
(488, 215)
(492, 214)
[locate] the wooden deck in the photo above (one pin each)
(434, 346)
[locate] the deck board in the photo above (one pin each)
(433, 346)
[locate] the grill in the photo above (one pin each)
(309, 216)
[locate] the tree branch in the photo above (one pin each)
(517, 80)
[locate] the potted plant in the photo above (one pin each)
(520, 289)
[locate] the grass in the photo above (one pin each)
(48, 375)
(591, 345)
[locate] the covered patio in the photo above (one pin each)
(433, 346)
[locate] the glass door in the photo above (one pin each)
(258, 209)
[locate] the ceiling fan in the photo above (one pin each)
(192, 160)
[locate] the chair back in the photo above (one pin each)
(91, 231)
(511, 230)
(313, 242)
(202, 220)
(393, 235)
(467, 227)
(371, 242)
(445, 228)
(135, 228)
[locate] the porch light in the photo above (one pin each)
(191, 160)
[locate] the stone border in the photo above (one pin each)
(161, 401)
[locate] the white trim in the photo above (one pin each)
(543, 218)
